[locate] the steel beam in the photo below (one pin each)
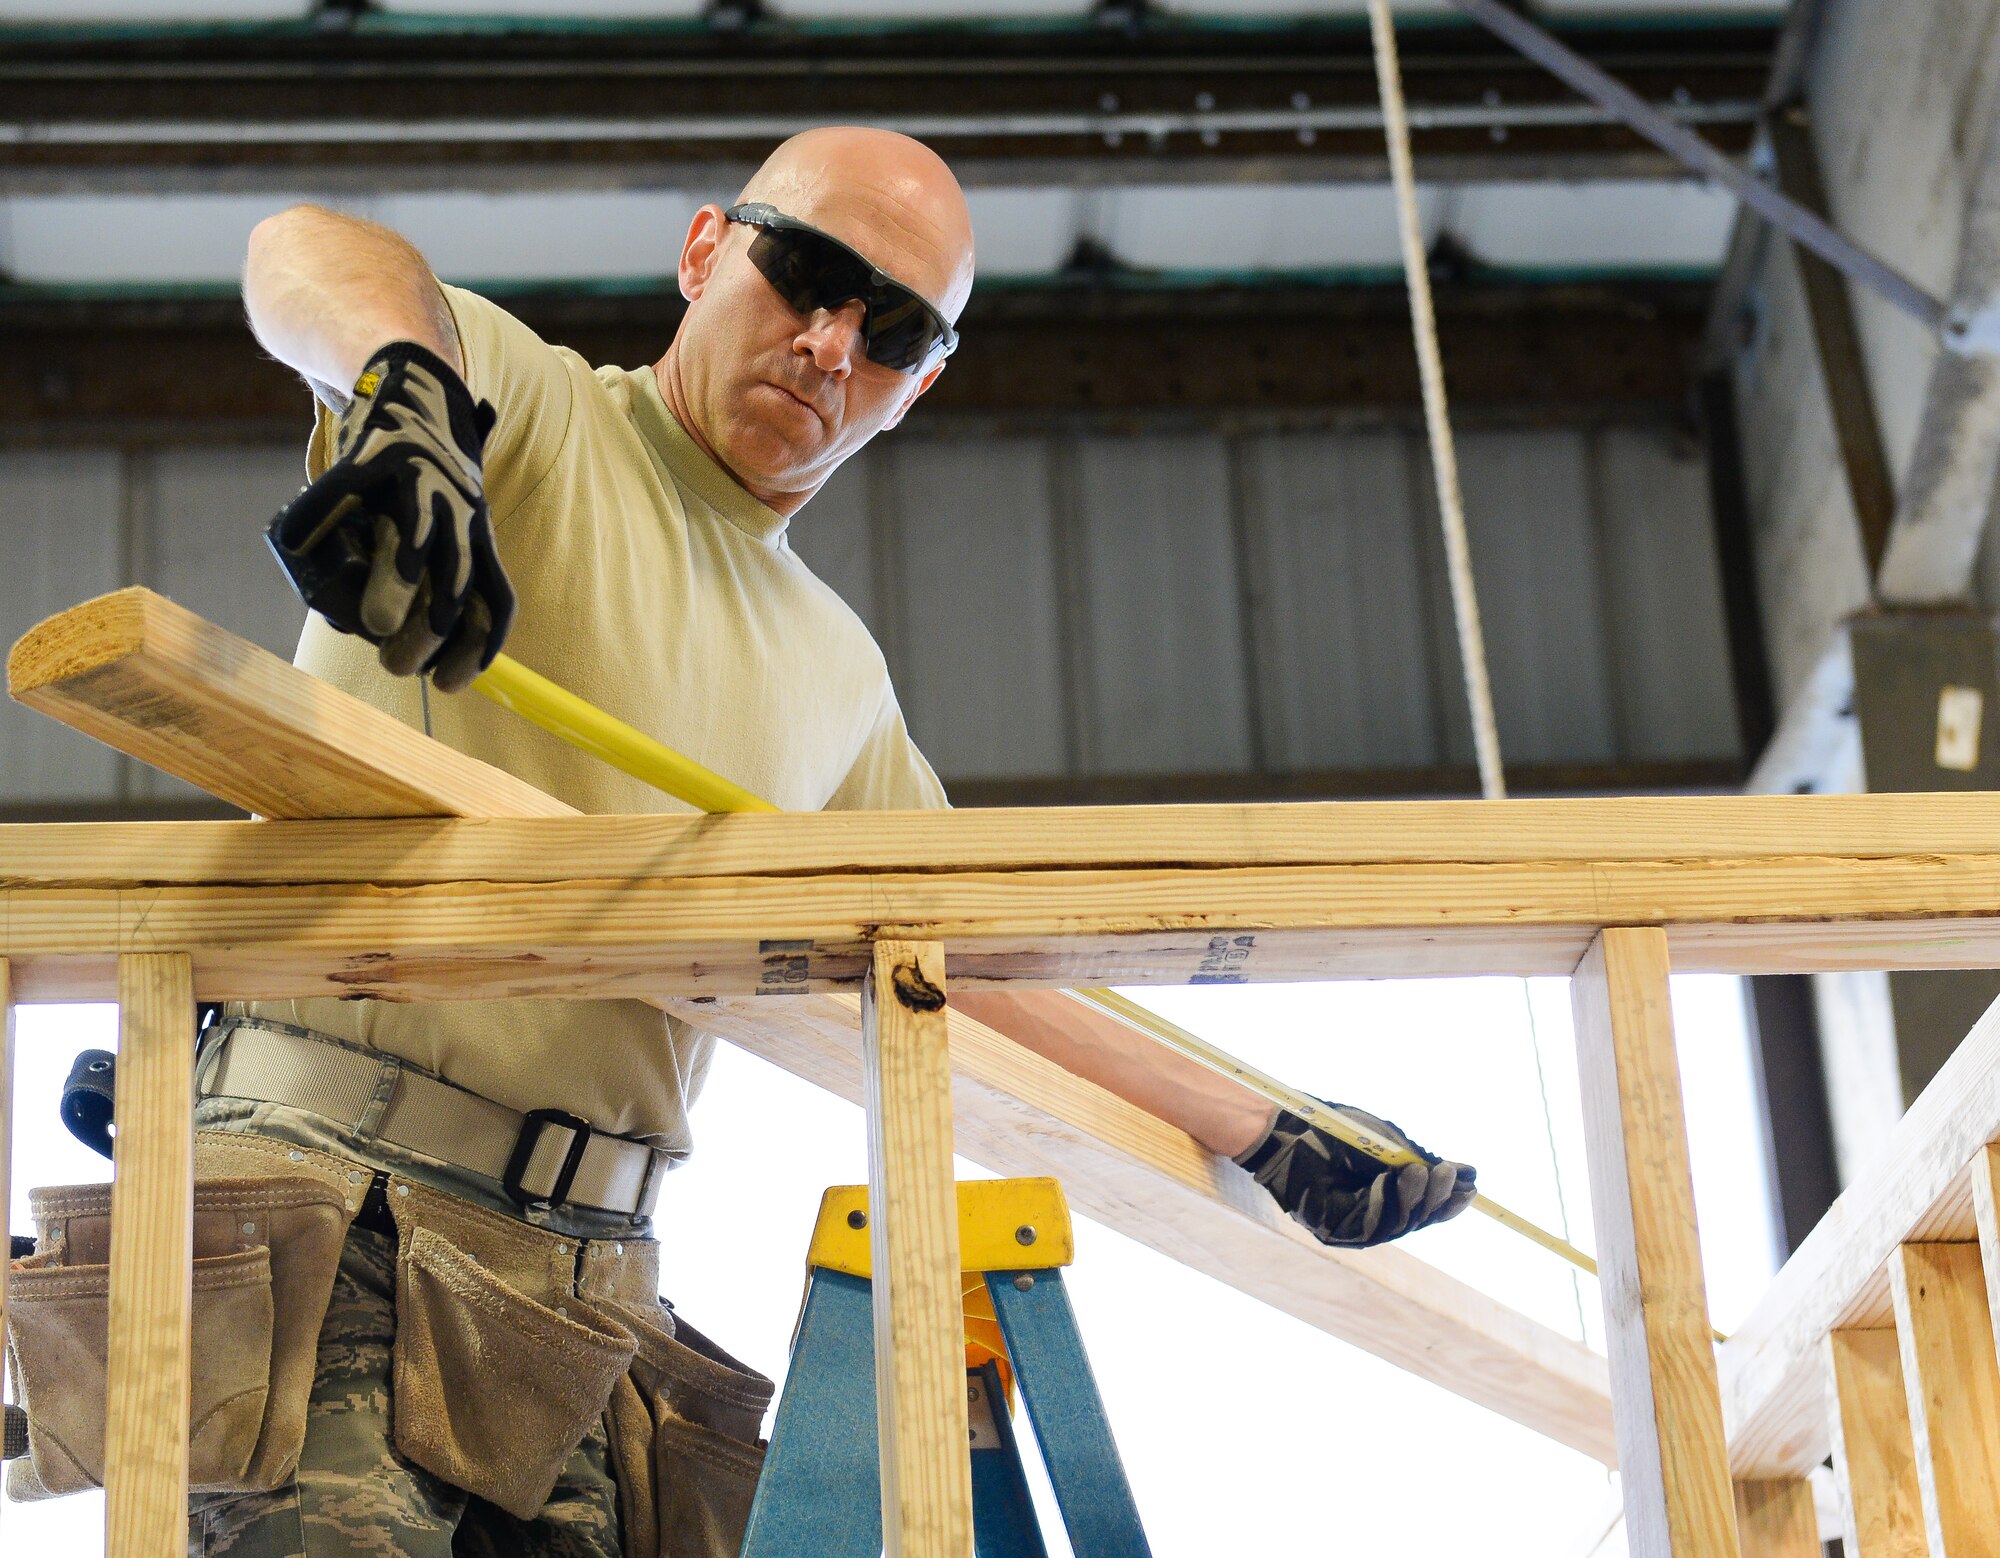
(126, 369)
(385, 105)
(1843, 367)
(1705, 158)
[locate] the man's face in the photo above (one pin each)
(782, 398)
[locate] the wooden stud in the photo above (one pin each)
(1952, 1383)
(1665, 1401)
(155, 680)
(913, 1215)
(152, 1252)
(1777, 1520)
(1874, 1459)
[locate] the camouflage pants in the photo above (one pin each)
(354, 1495)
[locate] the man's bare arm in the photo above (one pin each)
(1337, 1193)
(325, 292)
(1224, 1116)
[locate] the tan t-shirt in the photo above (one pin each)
(655, 587)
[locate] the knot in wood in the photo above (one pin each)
(914, 990)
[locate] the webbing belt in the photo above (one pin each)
(543, 1158)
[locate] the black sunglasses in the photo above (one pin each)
(812, 270)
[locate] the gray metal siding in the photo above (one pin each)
(1339, 600)
(62, 519)
(1668, 646)
(1088, 604)
(1163, 649)
(981, 650)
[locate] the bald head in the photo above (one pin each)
(777, 396)
(884, 194)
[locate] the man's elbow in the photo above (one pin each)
(272, 233)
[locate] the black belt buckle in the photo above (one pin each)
(524, 1148)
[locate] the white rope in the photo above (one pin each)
(1451, 513)
(1437, 416)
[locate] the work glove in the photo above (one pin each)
(1341, 1195)
(394, 542)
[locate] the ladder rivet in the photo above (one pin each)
(1024, 1282)
(857, 1219)
(1025, 1234)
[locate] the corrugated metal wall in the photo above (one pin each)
(1201, 603)
(1084, 604)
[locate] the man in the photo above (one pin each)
(624, 532)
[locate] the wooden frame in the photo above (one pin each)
(685, 911)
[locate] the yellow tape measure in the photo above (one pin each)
(560, 712)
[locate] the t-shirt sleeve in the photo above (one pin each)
(890, 774)
(526, 379)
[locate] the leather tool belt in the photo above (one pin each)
(543, 1158)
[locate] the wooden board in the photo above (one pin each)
(1018, 1114)
(1131, 1171)
(1777, 1520)
(1873, 1457)
(1952, 1383)
(1916, 1187)
(1782, 831)
(1665, 1401)
(920, 1398)
(154, 680)
(708, 935)
(152, 1248)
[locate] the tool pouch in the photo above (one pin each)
(685, 1426)
(265, 1249)
(499, 1369)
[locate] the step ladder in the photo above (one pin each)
(821, 1487)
